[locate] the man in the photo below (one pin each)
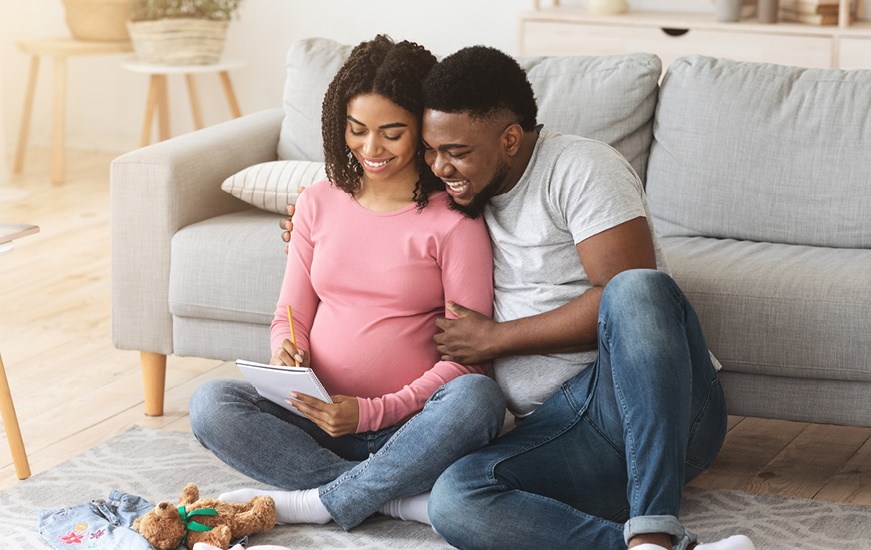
(599, 354)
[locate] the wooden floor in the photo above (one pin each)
(72, 389)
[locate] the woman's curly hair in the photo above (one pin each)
(481, 81)
(394, 71)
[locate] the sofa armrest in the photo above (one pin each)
(157, 190)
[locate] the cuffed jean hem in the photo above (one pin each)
(642, 525)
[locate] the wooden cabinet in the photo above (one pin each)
(569, 30)
(854, 52)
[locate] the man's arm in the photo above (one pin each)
(474, 338)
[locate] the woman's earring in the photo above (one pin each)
(352, 162)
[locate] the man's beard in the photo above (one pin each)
(475, 208)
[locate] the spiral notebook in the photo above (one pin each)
(275, 382)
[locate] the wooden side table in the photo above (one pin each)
(158, 102)
(60, 49)
(8, 233)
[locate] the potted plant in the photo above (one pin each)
(180, 32)
(98, 19)
(605, 7)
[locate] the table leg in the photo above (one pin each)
(150, 105)
(162, 108)
(195, 101)
(59, 119)
(13, 432)
(24, 132)
(228, 91)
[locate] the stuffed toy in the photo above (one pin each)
(207, 520)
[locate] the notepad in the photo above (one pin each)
(276, 383)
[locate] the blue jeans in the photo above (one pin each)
(355, 474)
(606, 457)
(96, 524)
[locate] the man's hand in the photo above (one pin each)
(469, 339)
(287, 223)
(337, 419)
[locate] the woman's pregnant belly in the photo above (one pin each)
(370, 354)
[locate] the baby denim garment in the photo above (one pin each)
(96, 524)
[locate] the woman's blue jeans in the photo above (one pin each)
(356, 474)
(606, 457)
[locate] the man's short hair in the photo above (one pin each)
(481, 81)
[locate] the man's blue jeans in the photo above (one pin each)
(606, 457)
(356, 474)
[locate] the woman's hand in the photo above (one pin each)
(287, 353)
(337, 419)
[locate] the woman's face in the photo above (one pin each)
(383, 137)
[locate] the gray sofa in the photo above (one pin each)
(758, 178)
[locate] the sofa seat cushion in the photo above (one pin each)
(228, 268)
(776, 309)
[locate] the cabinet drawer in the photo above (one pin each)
(545, 38)
(801, 51)
(552, 38)
(855, 53)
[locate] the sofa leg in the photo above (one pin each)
(153, 381)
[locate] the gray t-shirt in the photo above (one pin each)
(572, 189)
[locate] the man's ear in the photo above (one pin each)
(512, 138)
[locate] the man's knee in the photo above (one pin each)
(640, 281)
(638, 289)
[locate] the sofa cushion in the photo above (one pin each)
(762, 152)
(778, 309)
(228, 268)
(607, 98)
(271, 186)
(310, 66)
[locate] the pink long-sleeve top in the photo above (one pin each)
(366, 288)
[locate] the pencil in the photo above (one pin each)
(292, 333)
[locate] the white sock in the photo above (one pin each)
(735, 542)
(648, 546)
(413, 508)
(290, 506)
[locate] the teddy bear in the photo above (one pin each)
(208, 520)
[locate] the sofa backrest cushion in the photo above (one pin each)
(607, 98)
(310, 66)
(762, 152)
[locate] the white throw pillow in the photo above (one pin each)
(273, 185)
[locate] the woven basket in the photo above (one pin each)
(178, 41)
(102, 20)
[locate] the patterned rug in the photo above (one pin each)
(157, 464)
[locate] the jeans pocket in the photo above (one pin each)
(707, 431)
(578, 390)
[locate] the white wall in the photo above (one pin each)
(106, 103)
